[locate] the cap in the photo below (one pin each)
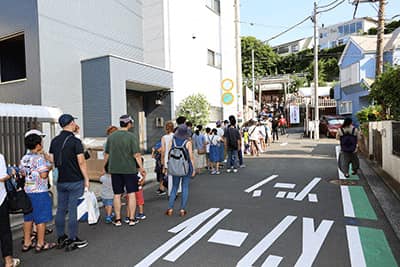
(34, 131)
(218, 123)
(157, 145)
(126, 119)
(65, 119)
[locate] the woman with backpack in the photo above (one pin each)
(181, 167)
(348, 136)
(5, 230)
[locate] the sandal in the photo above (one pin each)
(182, 213)
(169, 212)
(117, 222)
(14, 263)
(44, 247)
(26, 248)
(49, 231)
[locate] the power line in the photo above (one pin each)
(328, 5)
(329, 9)
(287, 30)
(266, 25)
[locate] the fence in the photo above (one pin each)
(396, 138)
(377, 146)
(12, 130)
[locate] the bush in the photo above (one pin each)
(370, 113)
(195, 108)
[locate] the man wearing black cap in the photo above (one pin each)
(124, 161)
(68, 157)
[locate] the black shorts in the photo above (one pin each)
(122, 181)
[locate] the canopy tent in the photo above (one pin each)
(42, 113)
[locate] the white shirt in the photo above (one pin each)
(220, 132)
(3, 173)
(167, 141)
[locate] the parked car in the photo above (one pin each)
(329, 125)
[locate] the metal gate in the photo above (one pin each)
(12, 130)
(377, 146)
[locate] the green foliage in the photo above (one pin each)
(195, 108)
(389, 28)
(386, 90)
(367, 114)
(296, 83)
(264, 58)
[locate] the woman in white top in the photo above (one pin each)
(5, 231)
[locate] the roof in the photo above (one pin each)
(394, 41)
(40, 112)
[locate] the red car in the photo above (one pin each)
(330, 124)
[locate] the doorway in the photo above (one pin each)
(134, 104)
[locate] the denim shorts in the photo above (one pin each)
(107, 202)
(42, 208)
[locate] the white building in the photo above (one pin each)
(196, 41)
(294, 46)
(339, 34)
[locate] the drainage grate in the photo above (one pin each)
(342, 182)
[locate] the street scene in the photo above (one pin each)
(200, 133)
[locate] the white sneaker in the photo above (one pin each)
(228, 170)
(235, 170)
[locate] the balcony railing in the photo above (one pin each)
(323, 103)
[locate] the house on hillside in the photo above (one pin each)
(357, 70)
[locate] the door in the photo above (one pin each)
(134, 104)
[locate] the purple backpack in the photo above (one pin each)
(348, 142)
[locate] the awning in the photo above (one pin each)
(43, 113)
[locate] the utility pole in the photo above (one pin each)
(316, 104)
(253, 82)
(379, 44)
(238, 60)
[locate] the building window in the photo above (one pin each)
(345, 107)
(295, 48)
(213, 59)
(341, 30)
(12, 58)
(359, 26)
(283, 50)
(214, 5)
(353, 28)
(346, 29)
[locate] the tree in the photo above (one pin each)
(296, 83)
(386, 90)
(195, 108)
(265, 58)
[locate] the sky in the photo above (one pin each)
(270, 17)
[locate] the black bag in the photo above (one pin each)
(348, 142)
(17, 201)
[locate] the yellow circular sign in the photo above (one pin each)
(227, 98)
(227, 84)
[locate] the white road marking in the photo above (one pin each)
(261, 183)
(357, 258)
(284, 185)
(185, 229)
(188, 243)
(312, 198)
(312, 241)
(347, 204)
(291, 195)
(300, 196)
(280, 194)
(229, 238)
(284, 144)
(341, 174)
(266, 242)
(257, 193)
(272, 261)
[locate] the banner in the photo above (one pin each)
(294, 114)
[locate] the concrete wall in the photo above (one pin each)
(71, 31)
(22, 16)
(390, 162)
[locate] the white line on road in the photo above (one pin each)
(257, 193)
(229, 238)
(182, 248)
(261, 183)
(291, 195)
(185, 229)
(355, 248)
(266, 242)
(272, 261)
(280, 194)
(312, 241)
(347, 204)
(300, 196)
(312, 198)
(284, 185)
(341, 175)
(284, 144)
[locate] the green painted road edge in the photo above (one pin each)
(361, 205)
(352, 176)
(377, 252)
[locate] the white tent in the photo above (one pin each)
(42, 113)
(309, 91)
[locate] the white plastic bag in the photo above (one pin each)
(88, 208)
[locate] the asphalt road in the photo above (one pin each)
(324, 225)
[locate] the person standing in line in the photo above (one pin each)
(35, 169)
(122, 154)
(220, 133)
(232, 144)
(180, 138)
(275, 127)
(215, 142)
(207, 136)
(200, 149)
(254, 140)
(68, 156)
(283, 125)
(348, 136)
(156, 154)
(5, 229)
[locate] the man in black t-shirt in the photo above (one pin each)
(68, 157)
(232, 144)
